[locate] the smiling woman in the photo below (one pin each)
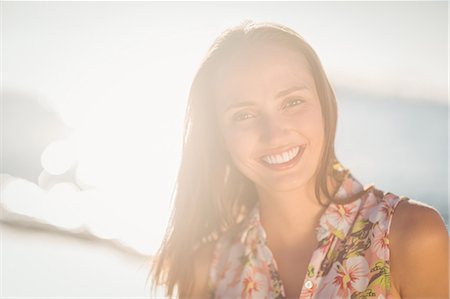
(264, 209)
(282, 119)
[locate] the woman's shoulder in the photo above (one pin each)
(417, 225)
(419, 244)
(417, 218)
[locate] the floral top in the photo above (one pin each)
(351, 260)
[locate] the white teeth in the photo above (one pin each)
(283, 157)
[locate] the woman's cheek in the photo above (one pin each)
(240, 139)
(308, 122)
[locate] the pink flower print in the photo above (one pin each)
(380, 243)
(382, 212)
(345, 279)
(341, 193)
(390, 197)
(338, 218)
(369, 203)
(353, 276)
(349, 187)
(324, 248)
(322, 231)
(234, 276)
(231, 273)
(254, 284)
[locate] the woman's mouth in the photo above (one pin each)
(283, 160)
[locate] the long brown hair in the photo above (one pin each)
(211, 195)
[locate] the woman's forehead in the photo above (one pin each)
(265, 70)
(263, 54)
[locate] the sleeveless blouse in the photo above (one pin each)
(350, 261)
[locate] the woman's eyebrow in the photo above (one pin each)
(239, 104)
(290, 90)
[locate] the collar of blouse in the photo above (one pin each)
(336, 220)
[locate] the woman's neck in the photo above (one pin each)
(290, 217)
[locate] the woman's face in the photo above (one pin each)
(270, 117)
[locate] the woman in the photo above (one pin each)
(263, 208)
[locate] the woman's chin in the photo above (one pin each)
(285, 185)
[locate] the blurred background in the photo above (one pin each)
(92, 105)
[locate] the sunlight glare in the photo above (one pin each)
(58, 156)
(63, 197)
(23, 197)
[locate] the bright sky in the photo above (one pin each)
(57, 49)
(119, 74)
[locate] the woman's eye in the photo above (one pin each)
(293, 102)
(242, 116)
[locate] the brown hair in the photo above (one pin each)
(210, 195)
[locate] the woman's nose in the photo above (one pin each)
(272, 129)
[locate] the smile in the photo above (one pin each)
(284, 159)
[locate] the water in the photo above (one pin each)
(400, 146)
